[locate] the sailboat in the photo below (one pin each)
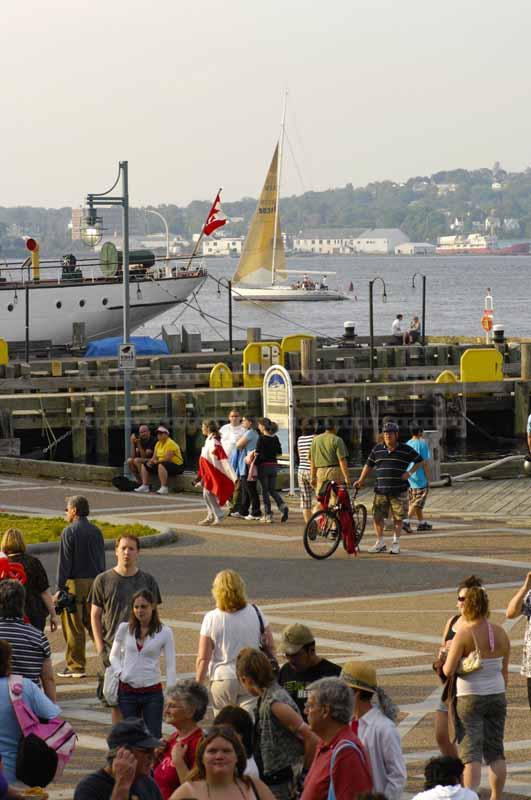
(261, 274)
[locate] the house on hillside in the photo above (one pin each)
(380, 241)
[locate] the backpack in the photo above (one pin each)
(345, 744)
(45, 747)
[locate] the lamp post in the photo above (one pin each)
(228, 283)
(95, 200)
(157, 214)
(371, 317)
(423, 303)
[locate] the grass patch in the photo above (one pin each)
(48, 529)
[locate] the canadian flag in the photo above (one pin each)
(212, 222)
(215, 472)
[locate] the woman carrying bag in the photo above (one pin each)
(135, 659)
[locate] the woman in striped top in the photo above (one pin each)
(303, 450)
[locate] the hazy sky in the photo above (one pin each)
(190, 93)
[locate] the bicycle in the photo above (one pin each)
(330, 524)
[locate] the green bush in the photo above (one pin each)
(48, 529)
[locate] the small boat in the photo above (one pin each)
(261, 274)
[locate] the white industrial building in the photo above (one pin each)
(415, 249)
(380, 241)
(223, 246)
(326, 241)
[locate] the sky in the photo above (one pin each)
(190, 92)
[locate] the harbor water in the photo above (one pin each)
(455, 292)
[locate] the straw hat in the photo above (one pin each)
(359, 675)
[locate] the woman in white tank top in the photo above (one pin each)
(481, 703)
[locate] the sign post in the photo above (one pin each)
(488, 316)
(278, 404)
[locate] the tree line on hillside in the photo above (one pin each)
(424, 207)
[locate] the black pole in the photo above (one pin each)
(27, 324)
(229, 287)
(423, 310)
(371, 330)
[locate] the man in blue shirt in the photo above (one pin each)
(390, 459)
(419, 483)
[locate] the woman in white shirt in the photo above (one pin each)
(135, 658)
(231, 626)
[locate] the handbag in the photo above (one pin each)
(111, 679)
(471, 662)
(252, 472)
(264, 647)
(46, 747)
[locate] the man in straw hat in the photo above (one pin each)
(377, 729)
(340, 762)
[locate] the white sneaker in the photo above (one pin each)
(206, 521)
(217, 521)
(250, 516)
(142, 489)
(162, 490)
(395, 549)
(236, 514)
(378, 547)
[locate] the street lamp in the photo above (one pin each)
(423, 302)
(228, 283)
(157, 214)
(371, 317)
(106, 199)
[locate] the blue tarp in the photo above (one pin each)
(108, 348)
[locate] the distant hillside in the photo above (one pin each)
(424, 207)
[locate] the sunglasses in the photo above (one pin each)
(461, 599)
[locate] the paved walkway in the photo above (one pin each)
(388, 609)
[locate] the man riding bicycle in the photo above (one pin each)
(328, 458)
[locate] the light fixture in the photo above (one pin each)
(91, 228)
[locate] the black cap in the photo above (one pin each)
(390, 427)
(132, 733)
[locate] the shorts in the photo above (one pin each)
(417, 497)
(169, 466)
(307, 494)
(328, 474)
(481, 725)
(383, 504)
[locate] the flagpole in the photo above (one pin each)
(194, 251)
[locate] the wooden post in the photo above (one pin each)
(178, 419)
(308, 360)
(101, 423)
(253, 335)
(439, 417)
(525, 361)
(79, 429)
(521, 406)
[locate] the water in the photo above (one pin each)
(455, 292)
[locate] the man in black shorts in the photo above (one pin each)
(390, 459)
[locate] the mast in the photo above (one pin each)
(279, 171)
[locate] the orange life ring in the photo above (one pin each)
(486, 322)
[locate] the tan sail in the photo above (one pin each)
(256, 261)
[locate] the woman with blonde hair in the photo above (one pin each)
(479, 656)
(38, 604)
(227, 629)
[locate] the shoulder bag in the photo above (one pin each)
(345, 744)
(263, 644)
(471, 662)
(45, 747)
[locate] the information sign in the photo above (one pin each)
(127, 356)
(278, 405)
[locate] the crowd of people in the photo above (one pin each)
(308, 728)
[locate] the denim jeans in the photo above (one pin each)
(147, 705)
(267, 475)
(251, 501)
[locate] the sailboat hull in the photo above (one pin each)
(276, 294)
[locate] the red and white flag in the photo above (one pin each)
(214, 221)
(215, 472)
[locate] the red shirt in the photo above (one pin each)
(165, 774)
(352, 773)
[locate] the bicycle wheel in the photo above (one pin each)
(322, 534)
(360, 520)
